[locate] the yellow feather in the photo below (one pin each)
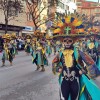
(60, 24)
(57, 30)
(78, 23)
(80, 30)
(68, 19)
(75, 21)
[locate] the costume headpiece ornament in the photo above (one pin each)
(38, 34)
(6, 36)
(13, 36)
(28, 36)
(69, 26)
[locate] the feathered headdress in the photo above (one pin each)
(70, 25)
(6, 36)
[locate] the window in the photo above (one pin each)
(97, 10)
(78, 0)
(29, 17)
(98, 15)
(94, 4)
(61, 5)
(12, 11)
(16, 12)
(79, 3)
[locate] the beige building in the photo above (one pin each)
(15, 24)
(43, 15)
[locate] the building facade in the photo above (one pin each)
(88, 8)
(42, 16)
(15, 24)
(59, 8)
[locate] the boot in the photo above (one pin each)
(3, 64)
(38, 67)
(43, 69)
(10, 63)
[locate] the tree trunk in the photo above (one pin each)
(6, 25)
(36, 27)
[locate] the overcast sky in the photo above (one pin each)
(93, 0)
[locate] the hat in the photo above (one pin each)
(69, 26)
(28, 36)
(13, 36)
(6, 36)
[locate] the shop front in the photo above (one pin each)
(11, 29)
(27, 30)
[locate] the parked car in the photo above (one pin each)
(20, 45)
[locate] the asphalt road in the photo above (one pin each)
(22, 82)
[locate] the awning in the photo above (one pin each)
(11, 27)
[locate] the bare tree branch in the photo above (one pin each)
(41, 23)
(10, 8)
(35, 11)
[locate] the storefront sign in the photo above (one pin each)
(28, 28)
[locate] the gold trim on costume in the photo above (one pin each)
(68, 57)
(91, 45)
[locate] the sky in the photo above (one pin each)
(93, 0)
(72, 6)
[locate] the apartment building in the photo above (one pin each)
(88, 8)
(15, 24)
(58, 9)
(42, 17)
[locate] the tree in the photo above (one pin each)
(11, 8)
(35, 11)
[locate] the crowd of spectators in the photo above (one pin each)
(20, 41)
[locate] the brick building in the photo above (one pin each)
(88, 8)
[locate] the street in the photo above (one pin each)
(38, 28)
(22, 82)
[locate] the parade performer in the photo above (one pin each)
(92, 48)
(74, 78)
(58, 46)
(28, 44)
(14, 44)
(34, 53)
(49, 47)
(33, 43)
(81, 44)
(54, 46)
(7, 50)
(98, 50)
(39, 56)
